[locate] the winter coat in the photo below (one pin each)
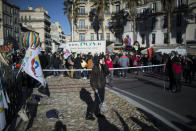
(98, 76)
(124, 61)
(77, 63)
(109, 63)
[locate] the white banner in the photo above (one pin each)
(86, 46)
(31, 65)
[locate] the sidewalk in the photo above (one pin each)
(67, 96)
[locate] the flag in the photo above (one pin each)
(67, 53)
(31, 65)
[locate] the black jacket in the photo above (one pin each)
(98, 76)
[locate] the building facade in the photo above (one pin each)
(57, 35)
(9, 24)
(39, 20)
(84, 31)
(152, 28)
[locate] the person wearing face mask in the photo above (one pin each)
(97, 82)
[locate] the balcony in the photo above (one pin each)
(47, 28)
(107, 13)
(82, 28)
(82, 1)
(83, 14)
(115, 1)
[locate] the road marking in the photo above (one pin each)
(167, 122)
(155, 105)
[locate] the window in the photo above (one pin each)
(82, 10)
(143, 39)
(178, 19)
(108, 36)
(100, 36)
(21, 17)
(29, 17)
(107, 11)
(153, 7)
(107, 23)
(92, 36)
(179, 38)
(82, 36)
(91, 8)
(179, 3)
(81, 24)
(165, 38)
(153, 22)
(117, 8)
(91, 26)
(153, 38)
(25, 17)
(165, 22)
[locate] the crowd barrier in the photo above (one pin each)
(122, 68)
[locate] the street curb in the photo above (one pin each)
(160, 84)
(161, 120)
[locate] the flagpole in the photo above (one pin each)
(72, 22)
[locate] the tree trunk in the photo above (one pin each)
(134, 30)
(168, 26)
(97, 35)
(102, 25)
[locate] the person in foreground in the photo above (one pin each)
(97, 82)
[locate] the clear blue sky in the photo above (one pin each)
(54, 8)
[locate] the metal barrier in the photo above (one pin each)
(14, 91)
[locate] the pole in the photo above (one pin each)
(72, 31)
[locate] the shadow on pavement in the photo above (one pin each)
(86, 97)
(59, 126)
(32, 106)
(125, 126)
(105, 125)
(193, 120)
(182, 126)
(160, 126)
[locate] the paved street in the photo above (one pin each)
(175, 109)
(71, 97)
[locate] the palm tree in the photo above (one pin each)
(93, 18)
(132, 7)
(68, 10)
(168, 7)
(100, 8)
(119, 20)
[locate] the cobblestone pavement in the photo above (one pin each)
(65, 96)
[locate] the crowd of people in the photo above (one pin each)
(186, 70)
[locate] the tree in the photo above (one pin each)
(119, 20)
(68, 10)
(100, 8)
(132, 7)
(93, 18)
(168, 7)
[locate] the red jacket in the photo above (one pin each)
(109, 63)
(176, 68)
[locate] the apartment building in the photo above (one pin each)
(39, 20)
(152, 29)
(84, 29)
(9, 24)
(57, 35)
